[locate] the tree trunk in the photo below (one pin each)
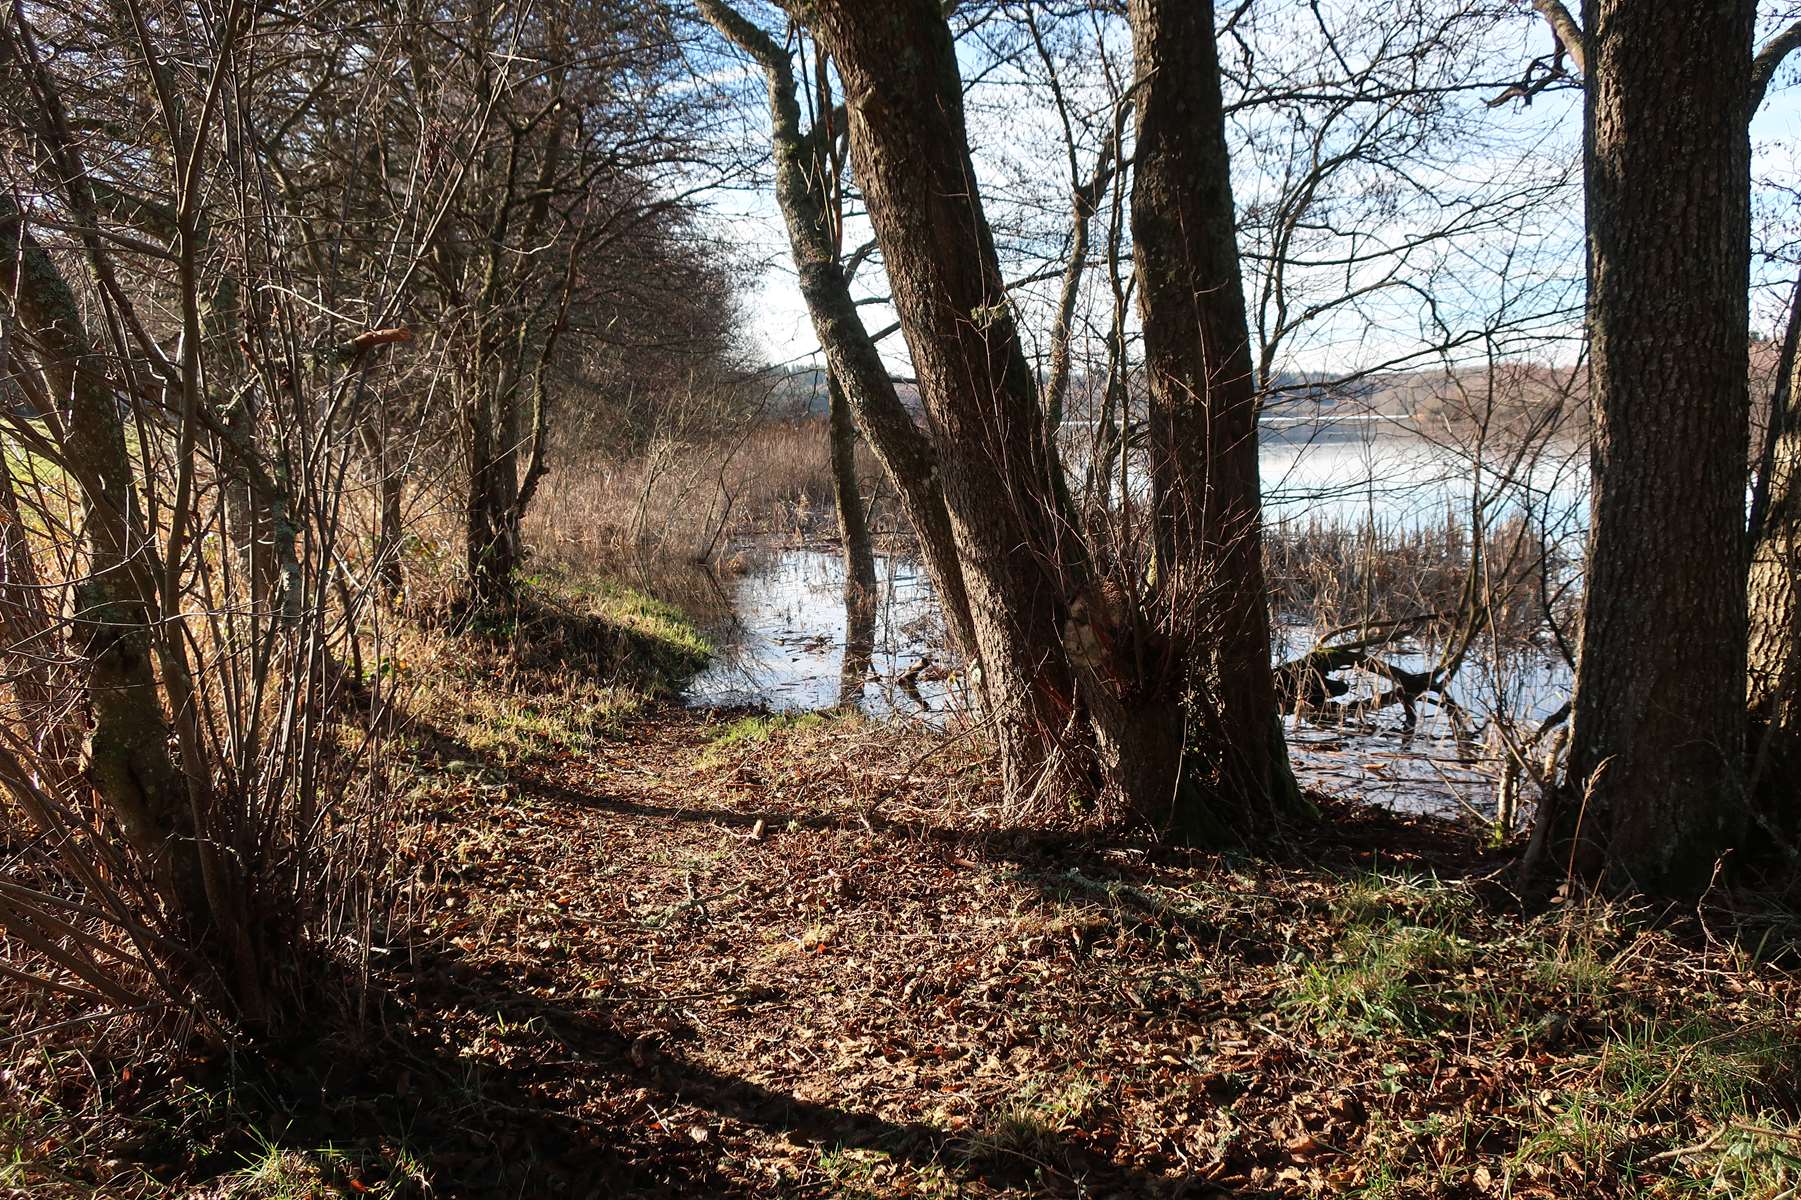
(478, 512)
(907, 457)
(503, 477)
(859, 557)
(489, 546)
(393, 529)
(1017, 542)
(1205, 492)
(1774, 659)
(390, 515)
(1658, 736)
(248, 514)
(128, 759)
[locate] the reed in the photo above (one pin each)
(1330, 575)
(699, 500)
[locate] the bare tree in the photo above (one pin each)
(1202, 429)
(185, 384)
(1085, 641)
(1658, 736)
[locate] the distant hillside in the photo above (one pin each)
(1510, 394)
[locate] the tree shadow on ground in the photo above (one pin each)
(1341, 836)
(469, 1081)
(567, 1102)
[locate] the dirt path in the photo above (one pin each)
(765, 982)
(781, 966)
(666, 953)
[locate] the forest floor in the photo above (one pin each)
(662, 952)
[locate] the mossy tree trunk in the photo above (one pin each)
(127, 755)
(859, 555)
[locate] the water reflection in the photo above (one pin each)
(1352, 473)
(860, 608)
(796, 642)
(797, 645)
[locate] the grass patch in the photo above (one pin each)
(1035, 1123)
(275, 1173)
(1723, 1088)
(1388, 970)
(1422, 900)
(552, 677)
(1415, 957)
(1381, 978)
(624, 634)
(755, 730)
(872, 1175)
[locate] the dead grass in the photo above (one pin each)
(696, 502)
(1332, 576)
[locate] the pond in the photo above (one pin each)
(784, 649)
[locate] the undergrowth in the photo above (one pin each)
(1667, 1077)
(665, 952)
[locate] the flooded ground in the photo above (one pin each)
(785, 648)
(785, 652)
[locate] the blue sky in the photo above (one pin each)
(1494, 203)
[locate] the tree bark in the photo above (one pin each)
(1021, 559)
(127, 759)
(1658, 737)
(391, 534)
(1202, 433)
(487, 550)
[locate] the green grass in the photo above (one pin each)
(856, 1174)
(645, 642)
(1402, 935)
(1415, 899)
(274, 1172)
(1413, 957)
(1721, 1085)
(1379, 978)
(1680, 1092)
(755, 730)
(556, 675)
(669, 646)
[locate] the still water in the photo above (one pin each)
(1353, 473)
(784, 649)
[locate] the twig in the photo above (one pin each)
(1697, 1148)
